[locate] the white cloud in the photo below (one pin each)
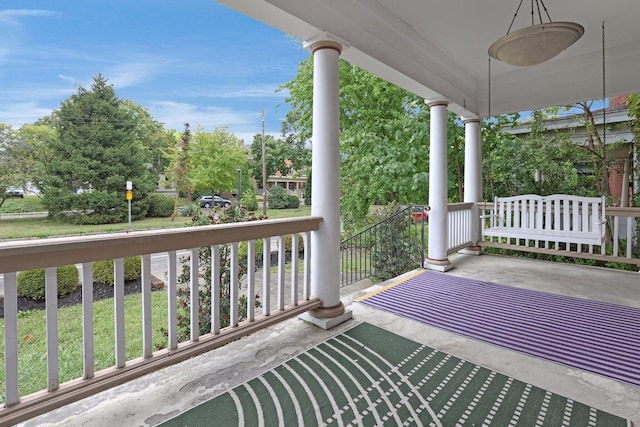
(251, 92)
(120, 74)
(246, 91)
(21, 92)
(242, 124)
(68, 79)
(18, 114)
(175, 115)
(129, 74)
(11, 28)
(10, 13)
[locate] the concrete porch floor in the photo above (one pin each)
(163, 394)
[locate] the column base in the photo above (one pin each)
(438, 264)
(471, 250)
(327, 317)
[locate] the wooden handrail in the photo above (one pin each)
(19, 255)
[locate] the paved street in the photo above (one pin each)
(23, 215)
(158, 267)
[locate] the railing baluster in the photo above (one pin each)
(147, 331)
(118, 311)
(614, 238)
(370, 249)
(294, 269)
(251, 280)
(281, 270)
(12, 395)
(194, 292)
(215, 289)
(630, 223)
(266, 277)
(51, 303)
(233, 292)
(306, 291)
(172, 301)
(87, 321)
(597, 214)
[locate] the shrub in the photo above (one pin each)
(288, 242)
(249, 201)
(243, 250)
(31, 283)
(278, 198)
(390, 255)
(293, 202)
(307, 190)
(189, 210)
(103, 270)
(160, 206)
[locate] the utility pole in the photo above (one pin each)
(264, 172)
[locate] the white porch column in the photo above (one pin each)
(325, 186)
(438, 224)
(473, 173)
(472, 160)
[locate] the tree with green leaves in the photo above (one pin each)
(248, 197)
(280, 155)
(384, 137)
(151, 133)
(8, 167)
(33, 153)
(543, 162)
(179, 168)
(95, 153)
(498, 151)
(215, 158)
(275, 155)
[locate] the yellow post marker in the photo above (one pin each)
(129, 198)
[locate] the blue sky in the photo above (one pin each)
(185, 61)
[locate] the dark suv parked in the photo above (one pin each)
(206, 202)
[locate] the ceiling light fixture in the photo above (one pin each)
(535, 44)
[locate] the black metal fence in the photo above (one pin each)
(386, 249)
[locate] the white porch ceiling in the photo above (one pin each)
(438, 48)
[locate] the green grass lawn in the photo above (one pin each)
(29, 203)
(286, 213)
(41, 227)
(26, 228)
(32, 343)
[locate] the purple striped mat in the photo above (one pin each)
(598, 337)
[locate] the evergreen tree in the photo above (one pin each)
(96, 152)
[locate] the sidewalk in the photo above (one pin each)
(23, 215)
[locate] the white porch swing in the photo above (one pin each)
(554, 221)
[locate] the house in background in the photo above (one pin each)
(291, 180)
(618, 132)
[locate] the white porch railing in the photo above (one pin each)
(463, 222)
(23, 255)
(620, 245)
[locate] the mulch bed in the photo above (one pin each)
(100, 291)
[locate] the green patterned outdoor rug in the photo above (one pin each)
(368, 376)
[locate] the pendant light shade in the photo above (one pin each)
(536, 44)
